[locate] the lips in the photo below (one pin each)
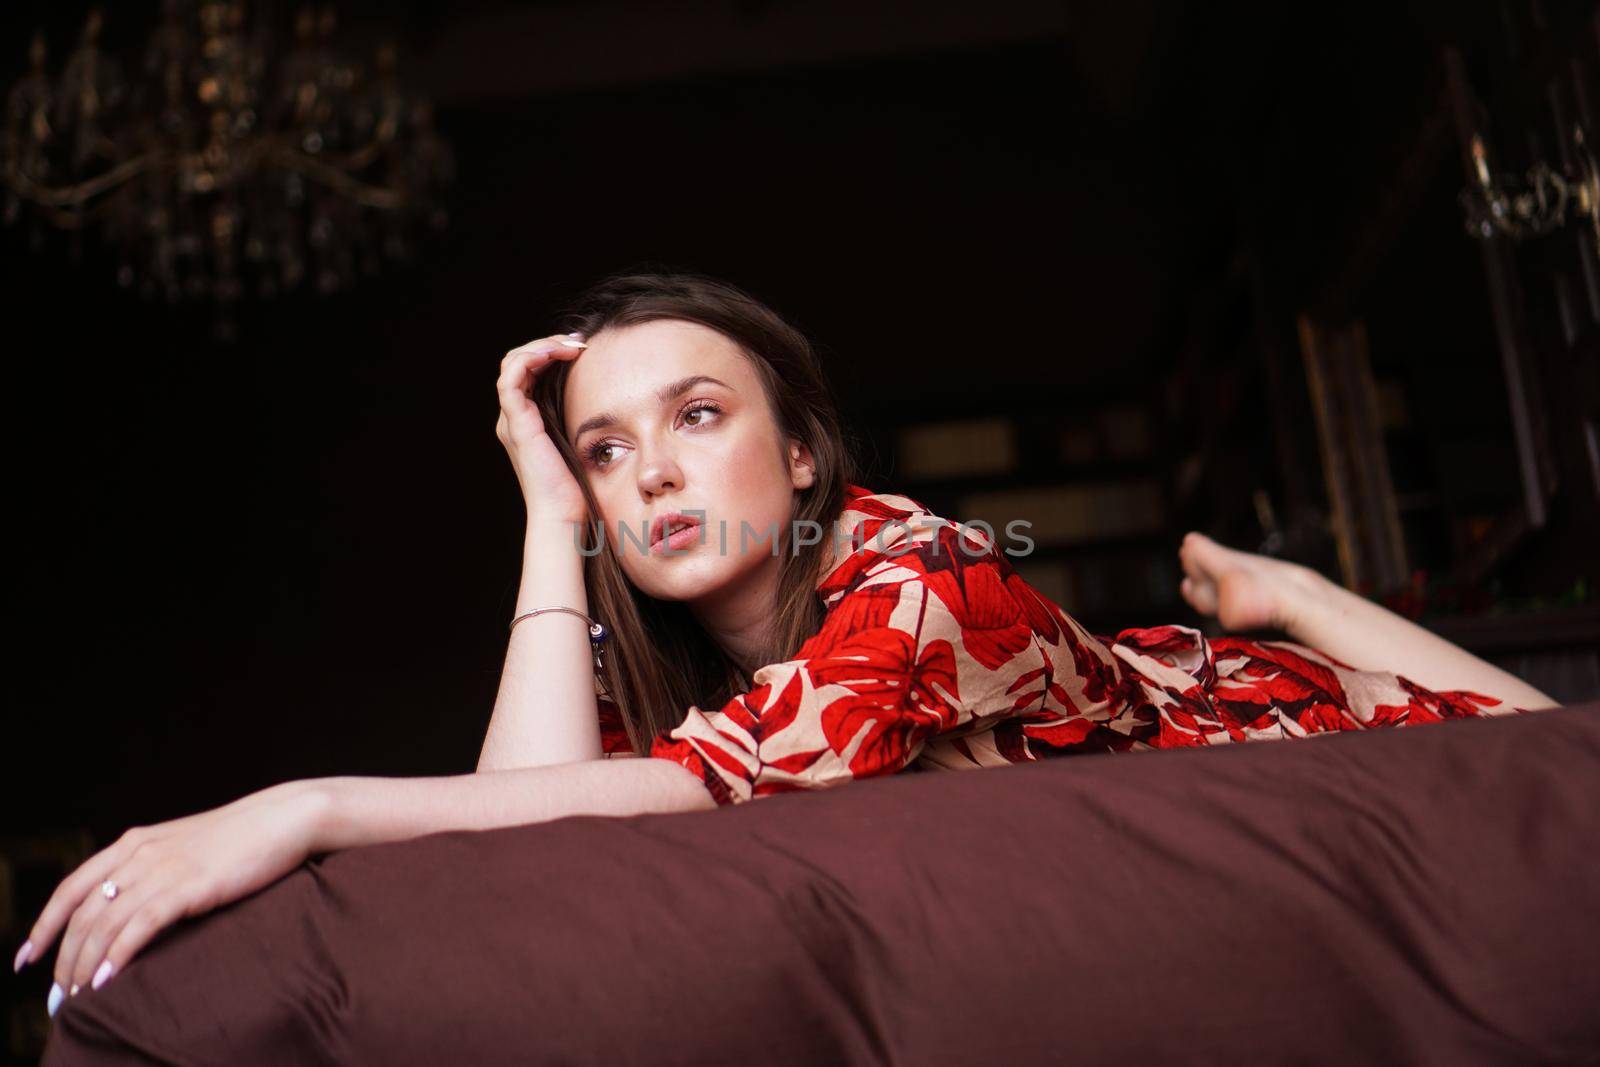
(662, 525)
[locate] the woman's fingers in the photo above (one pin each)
(154, 915)
(535, 354)
(517, 371)
(77, 926)
(574, 342)
(119, 931)
(82, 952)
(74, 889)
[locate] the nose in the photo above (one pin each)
(659, 472)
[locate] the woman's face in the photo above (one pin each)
(652, 439)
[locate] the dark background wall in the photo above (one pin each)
(295, 554)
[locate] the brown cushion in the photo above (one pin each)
(1428, 894)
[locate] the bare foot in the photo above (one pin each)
(1245, 591)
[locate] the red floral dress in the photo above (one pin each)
(935, 654)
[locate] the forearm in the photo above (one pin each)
(545, 710)
(353, 811)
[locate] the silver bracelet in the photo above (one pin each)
(597, 631)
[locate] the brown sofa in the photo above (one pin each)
(1420, 895)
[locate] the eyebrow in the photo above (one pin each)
(667, 393)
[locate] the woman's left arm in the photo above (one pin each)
(189, 866)
(366, 811)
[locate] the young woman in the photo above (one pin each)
(800, 632)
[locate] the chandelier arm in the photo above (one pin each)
(359, 158)
(363, 193)
(84, 191)
(82, 217)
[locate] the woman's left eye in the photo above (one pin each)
(696, 408)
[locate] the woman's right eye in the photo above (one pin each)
(593, 453)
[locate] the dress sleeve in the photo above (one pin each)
(929, 642)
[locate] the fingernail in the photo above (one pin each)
(576, 333)
(56, 997)
(573, 344)
(73, 991)
(22, 955)
(100, 976)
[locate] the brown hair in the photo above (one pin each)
(658, 659)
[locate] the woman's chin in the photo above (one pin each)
(678, 579)
(693, 575)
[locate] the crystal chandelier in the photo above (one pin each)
(229, 162)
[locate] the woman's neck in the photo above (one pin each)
(739, 619)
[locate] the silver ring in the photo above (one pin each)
(109, 890)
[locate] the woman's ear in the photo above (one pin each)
(802, 466)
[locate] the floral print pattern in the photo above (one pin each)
(936, 654)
